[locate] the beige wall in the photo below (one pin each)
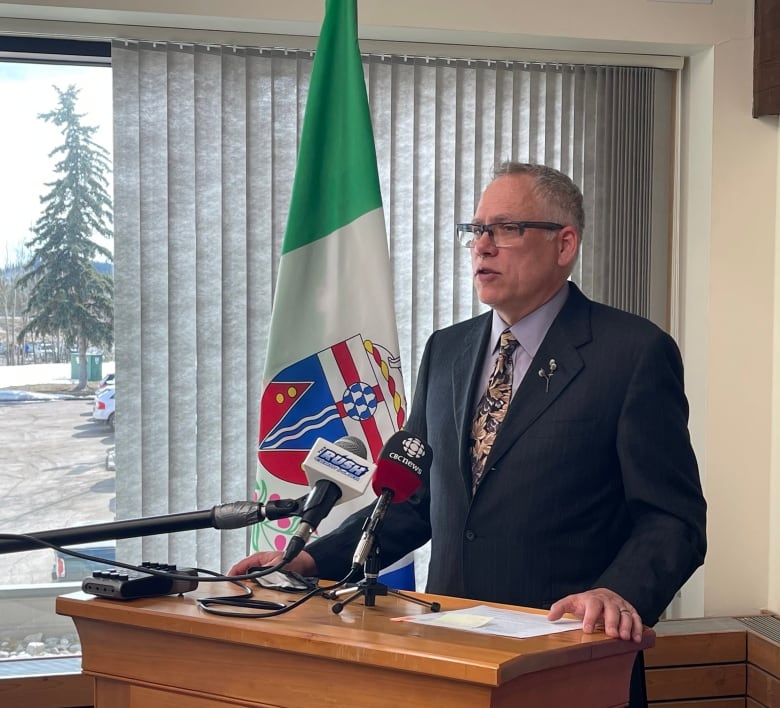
(741, 309)
(726, 267)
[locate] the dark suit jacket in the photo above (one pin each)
(592, 483)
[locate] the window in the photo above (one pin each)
(56, 468)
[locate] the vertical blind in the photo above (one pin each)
(205, 151)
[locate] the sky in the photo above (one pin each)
(27, 90)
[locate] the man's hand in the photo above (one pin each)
(303, 563)
(601, 606)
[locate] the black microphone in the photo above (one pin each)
(336, 473)
(399, 470)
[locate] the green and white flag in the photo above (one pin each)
(333, 366)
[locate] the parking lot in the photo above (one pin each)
(53, 475)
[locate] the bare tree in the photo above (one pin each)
(13, 302)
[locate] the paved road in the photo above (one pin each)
(52, 475)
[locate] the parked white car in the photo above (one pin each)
(103, 407)
(107, 381)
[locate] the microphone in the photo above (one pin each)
(399, 470)
(336, 472)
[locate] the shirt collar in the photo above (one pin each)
(531, 330)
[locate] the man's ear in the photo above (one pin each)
(568, 246)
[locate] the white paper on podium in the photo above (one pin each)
(491, 620)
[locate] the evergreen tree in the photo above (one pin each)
(68, 297)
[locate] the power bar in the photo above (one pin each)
(131, 585)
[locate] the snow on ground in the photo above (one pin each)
(30, 374)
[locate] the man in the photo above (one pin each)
(580, 495)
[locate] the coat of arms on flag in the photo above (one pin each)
(350, 388)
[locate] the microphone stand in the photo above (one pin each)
(369, 588)
(224, 516)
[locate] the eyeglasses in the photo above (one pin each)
(503, 234)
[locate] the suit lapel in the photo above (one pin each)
(569, 331)
(467, 367)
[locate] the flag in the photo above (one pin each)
(333, 366)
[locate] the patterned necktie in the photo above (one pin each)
(492, 407)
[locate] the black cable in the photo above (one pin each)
(275, 608)
(213, 577)
(208, 604)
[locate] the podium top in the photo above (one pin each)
(358, 635)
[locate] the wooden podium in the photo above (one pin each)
(168, 653)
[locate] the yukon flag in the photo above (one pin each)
(333, 366)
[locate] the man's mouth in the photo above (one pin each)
(485, 271)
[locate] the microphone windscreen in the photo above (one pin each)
(352, 444)
(403, 461)
(341, 463)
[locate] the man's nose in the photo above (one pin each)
(484, 242)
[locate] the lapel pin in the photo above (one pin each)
(546, 375)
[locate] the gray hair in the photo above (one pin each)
(554, 188)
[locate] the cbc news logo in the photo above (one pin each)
(414, 447)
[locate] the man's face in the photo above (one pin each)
(517, 279)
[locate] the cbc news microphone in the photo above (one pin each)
(336, 473)
(399, 470)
